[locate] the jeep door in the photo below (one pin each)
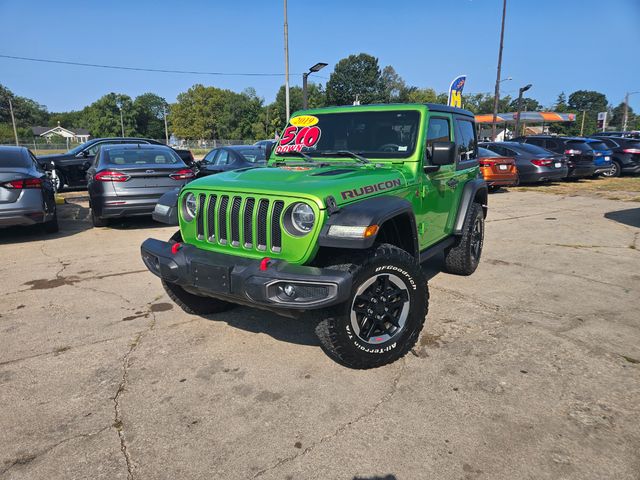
(437, 189)
(466, 166)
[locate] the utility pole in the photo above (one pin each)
(520, 92)
(13, 120)
(496, 98)
(166, 128)
(584, 114)
(286, 61)
(625, 117)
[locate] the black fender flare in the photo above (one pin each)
(473, 189)
(371, 211)
(170, 214)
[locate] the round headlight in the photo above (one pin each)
(190, 207)
(302, 218)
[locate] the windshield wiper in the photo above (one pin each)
(346, 153)
(306, 157)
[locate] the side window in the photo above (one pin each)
(94, 148)
(222, 158)
(438, 130)
(507, 152)
(610, 143)
(210, 156)
(466, 140)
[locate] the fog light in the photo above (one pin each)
(289, 290)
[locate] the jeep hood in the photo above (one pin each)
(346, 183)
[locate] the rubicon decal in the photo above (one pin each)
(367, 189)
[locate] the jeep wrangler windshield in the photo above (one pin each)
(385, 134)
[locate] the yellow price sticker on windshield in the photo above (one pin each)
(304, 121)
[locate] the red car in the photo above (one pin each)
(497, 171)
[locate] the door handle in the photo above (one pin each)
(453, 183)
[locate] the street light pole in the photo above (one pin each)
(286, 61)
(496, 98)
(13, 121)
(166, 128)
(626, 110)
(316, 68)
(520, 92)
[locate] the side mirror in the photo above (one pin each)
(443, 153)
(47, 166)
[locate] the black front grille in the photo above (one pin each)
(276, 233)
(248, 222)
(235, 221)
(222, 219)
(243, 216)
(211, 219)
(263, 208)
(200, 219)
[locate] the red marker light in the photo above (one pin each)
(264, 263)
(175, 247)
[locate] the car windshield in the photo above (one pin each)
(598, 146)
(385, 134)
(581, 144)
(140, 156)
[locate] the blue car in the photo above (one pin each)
(602, 159)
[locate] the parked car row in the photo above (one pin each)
(544, 158)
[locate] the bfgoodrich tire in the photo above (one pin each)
(385, 312)
(464, 256)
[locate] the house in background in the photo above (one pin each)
(71, 135)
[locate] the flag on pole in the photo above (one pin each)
(455, 91)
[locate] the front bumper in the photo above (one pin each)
(242, 280)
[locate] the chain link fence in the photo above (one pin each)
(41, 146)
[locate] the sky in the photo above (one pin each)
(556, 45)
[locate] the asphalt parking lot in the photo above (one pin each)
(530, 368)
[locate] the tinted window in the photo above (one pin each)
(141, 156)
(386, 134)
(483, 152)
(438, 130)
(598, 146)
(499, 149)
(535, 141)
(208, 158)
(13, 159)
(222, 158)
(467, 147)
(253, 155)
(610, 143)
(532, 149)
(553, 144)
(580, 144)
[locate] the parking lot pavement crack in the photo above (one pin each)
(26, 459)
(118, 422)
(342, 428)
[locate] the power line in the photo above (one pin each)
(140, 69)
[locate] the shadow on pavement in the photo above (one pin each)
(629, 217)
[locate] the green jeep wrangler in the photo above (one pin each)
(353, 200)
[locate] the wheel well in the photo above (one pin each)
(399, 231)
(481, 197)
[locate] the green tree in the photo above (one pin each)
(527, 105)
(482, 103)
(102, 117)
(421, 95)
(357, 76)
(591, 103)
(27, 112)
(149, 115)
(394, 88)
(616, 118)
